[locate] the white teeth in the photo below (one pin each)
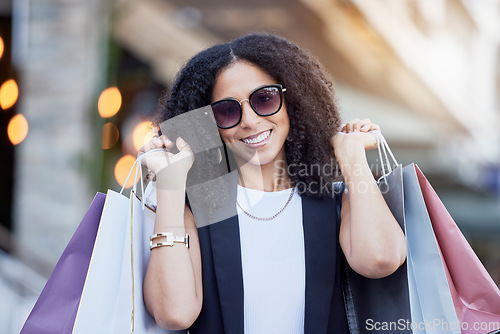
(258, 139)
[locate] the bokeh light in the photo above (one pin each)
(1, 47)
(122, 168)
(110, 135)
(17, 130)
(109, 102)
(143, 132)
(8, 94)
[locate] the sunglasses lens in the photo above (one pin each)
(266, 101)
(227, 113)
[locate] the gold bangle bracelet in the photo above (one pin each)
(171, 239)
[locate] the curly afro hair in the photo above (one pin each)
(310, 101)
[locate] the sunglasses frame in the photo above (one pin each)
(281, 90)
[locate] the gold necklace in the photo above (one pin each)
(273, 216)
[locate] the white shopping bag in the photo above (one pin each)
(112, 298)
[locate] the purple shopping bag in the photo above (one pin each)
(55, 309)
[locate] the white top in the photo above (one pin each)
(273, 260)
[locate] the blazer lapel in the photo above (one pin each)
(225, 238)
(226, 249)
(320, 240)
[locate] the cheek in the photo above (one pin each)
(285, 123)
(226, 135)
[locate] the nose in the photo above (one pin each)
(249, 118)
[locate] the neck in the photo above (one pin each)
(269, 177)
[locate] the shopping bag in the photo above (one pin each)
(475, 295)
(55, 309)
(431, 304)
(106, 303)
(380, 305)
(112, 299)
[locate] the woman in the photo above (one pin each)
(274, 267)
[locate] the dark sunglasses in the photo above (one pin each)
(265, 101)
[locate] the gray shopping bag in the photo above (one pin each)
(432, 308)
(381, 305)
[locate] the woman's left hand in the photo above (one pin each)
(355, 134)
(370, 236)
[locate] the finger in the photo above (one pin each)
(366, 127)
(362, 124)
(141, 151)
(154, 143)
(182, 145)
(185, 151)
(167, 143)
(349, 127)
(149, 146)
(370, 127)
(157, 142)
(144, 149)
(155, 161)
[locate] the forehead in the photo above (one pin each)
(238, 80)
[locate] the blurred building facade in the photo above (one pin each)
(427, 71)
(56, 51)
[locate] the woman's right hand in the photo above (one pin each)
(172, 297)
(169, 167)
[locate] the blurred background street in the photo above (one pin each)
(79, 80)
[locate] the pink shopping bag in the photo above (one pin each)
(475, 295)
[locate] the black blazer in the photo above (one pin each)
(222, 310)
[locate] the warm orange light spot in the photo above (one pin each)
(1, 47)
(142, 134)
(8, 94)
(17, 129)
(110, 135)
(122, 169)
(109, 102)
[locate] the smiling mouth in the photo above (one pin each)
(256, 139)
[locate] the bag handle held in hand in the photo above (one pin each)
(383, 148)
(138, 171)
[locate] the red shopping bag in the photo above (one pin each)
(475, 295)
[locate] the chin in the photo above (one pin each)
(260, 158)
(258, 161)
